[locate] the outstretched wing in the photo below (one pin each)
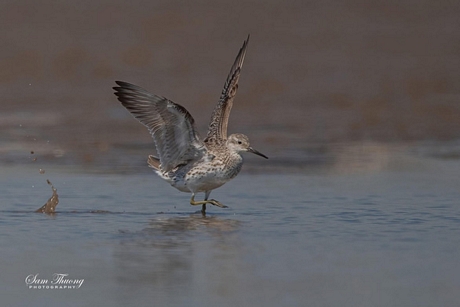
(171, 125)
(217, 130)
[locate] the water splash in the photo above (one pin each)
(50, 206)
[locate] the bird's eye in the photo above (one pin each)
(239, 142)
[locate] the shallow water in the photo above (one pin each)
(356, 105)
(376, 238)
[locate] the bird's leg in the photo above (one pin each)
(206, 201)
(203, 208)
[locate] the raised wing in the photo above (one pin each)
(217, 131)
(171, 125)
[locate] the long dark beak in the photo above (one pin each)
(250, 149)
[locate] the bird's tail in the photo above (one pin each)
(154, 162)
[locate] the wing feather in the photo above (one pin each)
(217, 130)
(171, 125)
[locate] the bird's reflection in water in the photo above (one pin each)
(197, 222)
(173, 252)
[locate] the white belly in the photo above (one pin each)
(204, 178)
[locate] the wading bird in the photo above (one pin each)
(187, 162)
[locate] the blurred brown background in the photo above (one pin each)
(317, 73)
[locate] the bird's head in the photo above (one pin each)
(239, 143)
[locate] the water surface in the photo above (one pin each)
(387, 238)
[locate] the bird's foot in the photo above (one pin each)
(204, 202)
(216, 203)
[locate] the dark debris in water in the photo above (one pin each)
(53, 201)
(50, 206)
